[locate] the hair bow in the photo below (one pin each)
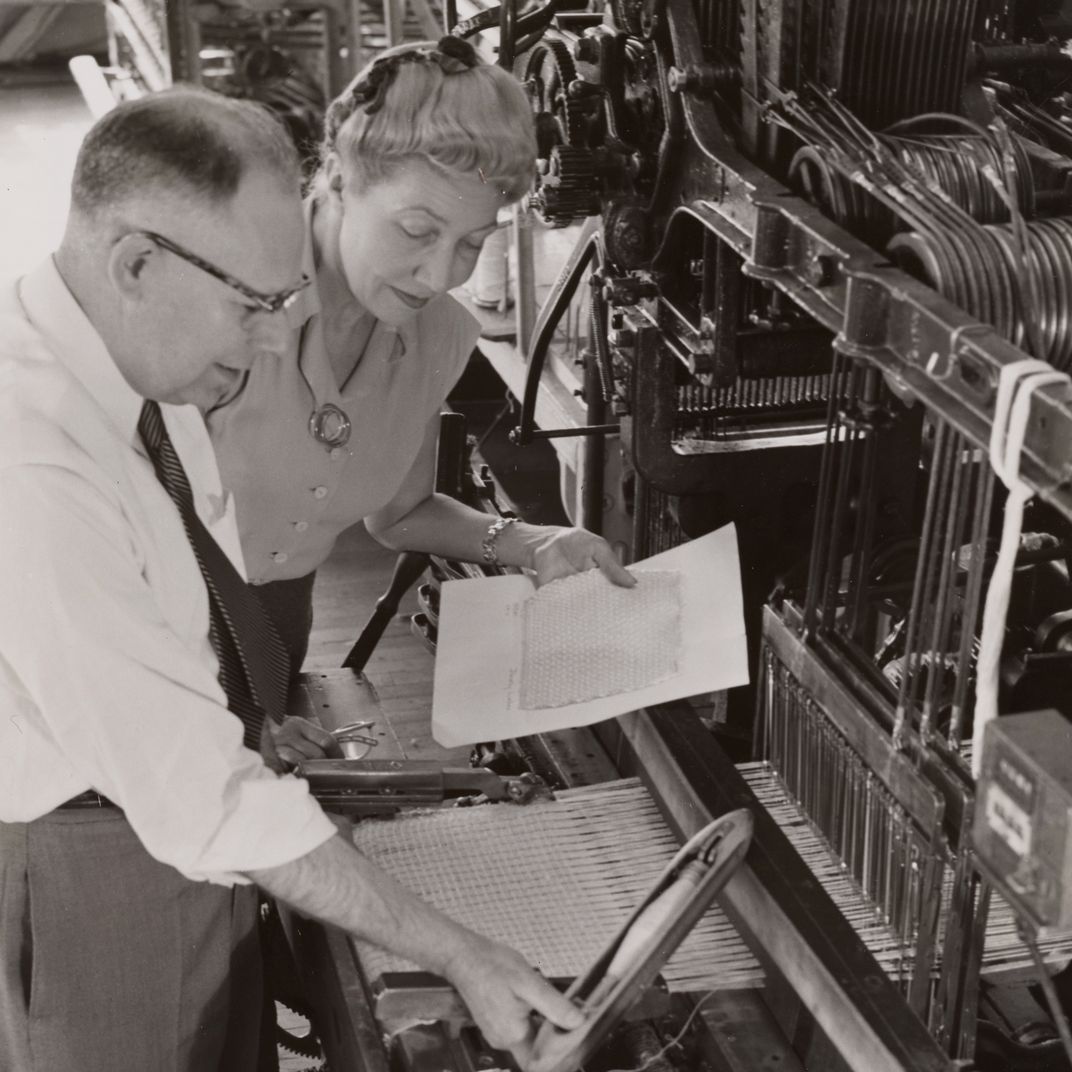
(451, 54)
(455, 54)
(369, 92)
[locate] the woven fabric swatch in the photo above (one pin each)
(584, 638)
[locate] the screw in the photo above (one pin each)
(695, 78)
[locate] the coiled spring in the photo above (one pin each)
(1021, 283)
(1014, 275)
(960, 166)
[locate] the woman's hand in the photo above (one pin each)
(559, 552)
(297, 739)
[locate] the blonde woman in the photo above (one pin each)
(419, 156)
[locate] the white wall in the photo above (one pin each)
(41, 126)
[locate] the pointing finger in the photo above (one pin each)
(612, 569)
(556, 1007)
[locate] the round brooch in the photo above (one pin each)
(330, 425)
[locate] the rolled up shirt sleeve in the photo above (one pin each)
(105, 691)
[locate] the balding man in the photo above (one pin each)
(137, 815)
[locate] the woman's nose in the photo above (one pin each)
(434, 271)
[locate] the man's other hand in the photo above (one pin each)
(298, 739)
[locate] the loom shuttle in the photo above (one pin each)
(680, 896)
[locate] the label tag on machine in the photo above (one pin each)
(1008, 820)
(1023, 818)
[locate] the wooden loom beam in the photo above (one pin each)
(802, 940)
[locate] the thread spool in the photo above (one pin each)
(490, 285)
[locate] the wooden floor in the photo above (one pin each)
(347, 587)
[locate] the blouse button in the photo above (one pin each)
(279, 556)
(301, 526)
(319, 492)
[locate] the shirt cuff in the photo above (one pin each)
(272, 820)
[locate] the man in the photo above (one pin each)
(127, 934)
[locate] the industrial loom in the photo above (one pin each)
(814, 233)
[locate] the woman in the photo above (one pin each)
(419, 156)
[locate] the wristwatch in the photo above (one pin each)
(487, 546)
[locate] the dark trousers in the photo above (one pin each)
(113, 962)
(289, 605)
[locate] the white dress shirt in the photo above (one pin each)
(107, 677)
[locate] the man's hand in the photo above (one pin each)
(559, 552)
(336, 884)
(502, 992)
(298, 739)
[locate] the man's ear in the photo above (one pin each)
(130, 261)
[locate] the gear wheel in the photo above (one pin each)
(627, 232)
(280, 975)
(307, 1046)
(548, 73)
(568, 190)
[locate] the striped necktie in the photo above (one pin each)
(254, 667)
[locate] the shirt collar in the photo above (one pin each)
(57, 316)
(407, 334)
(308, 304)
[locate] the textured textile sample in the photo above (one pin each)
(584, 638)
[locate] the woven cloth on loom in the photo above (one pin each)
(555, 879)
(584, 638)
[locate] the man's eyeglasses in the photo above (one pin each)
(270, 303)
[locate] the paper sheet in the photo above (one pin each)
(477, 690)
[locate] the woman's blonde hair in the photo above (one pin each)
(418, 102)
